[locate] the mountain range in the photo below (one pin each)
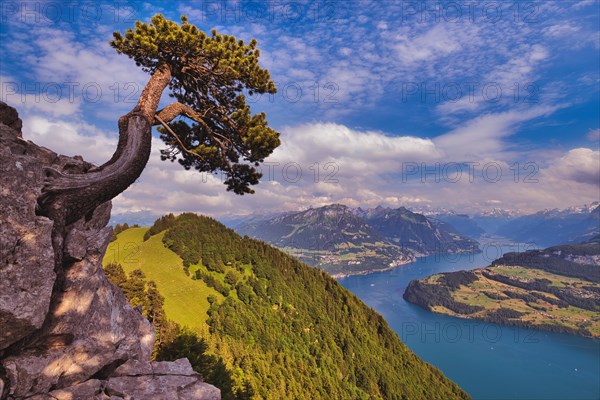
(552, 227)
(548, 227)
(407, 227)
(416, 231)
(342, 240)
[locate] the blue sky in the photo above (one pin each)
(380, 102)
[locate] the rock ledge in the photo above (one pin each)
(65, 331)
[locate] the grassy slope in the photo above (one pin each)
(185, 299)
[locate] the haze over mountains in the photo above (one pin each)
(575, 224)
(421, 230)
(552, 227)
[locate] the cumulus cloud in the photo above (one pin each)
(355, 152)
(317, 164)
(70, 138)
(578, 165)
(362, 177)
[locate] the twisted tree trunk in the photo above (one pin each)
(71, 197)
(67, 198)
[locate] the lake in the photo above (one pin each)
(489, 361)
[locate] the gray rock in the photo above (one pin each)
(92, 389)
(10, 117)
(164, 387)
(178, 367)
(65, 331)
(26, 257)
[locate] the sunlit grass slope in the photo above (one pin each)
(185, 299)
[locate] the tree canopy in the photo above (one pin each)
(215, 129)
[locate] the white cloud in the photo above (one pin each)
(337, 164)
(70, 138)
(563, 29)
(365, 170)
(89, 73)
(484, 136)
(439, 41)
(518, 69)
(195, 14)
(580, 165)
(46, 98)
(355, 152)
(464, 104)
(583, 3)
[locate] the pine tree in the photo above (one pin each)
(135, 290)
(209, 127)
(154, 302)
(114, 272)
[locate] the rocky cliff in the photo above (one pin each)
(65, 331)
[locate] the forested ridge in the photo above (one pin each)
(284, 329)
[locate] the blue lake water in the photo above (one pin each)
(489, 361)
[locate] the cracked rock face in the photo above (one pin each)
(65, 331)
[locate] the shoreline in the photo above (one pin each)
(374, 271)
(366, 272)
(515, 323)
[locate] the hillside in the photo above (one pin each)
(416, 231)
(332, 238)
(283, 329)
(464, 224)
(185, 299)
(556, 289)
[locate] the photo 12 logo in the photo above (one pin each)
(53, 92)
(471, 92)
(268, 11)
(477, 11)
(293, 92)
(291, 172)
(454, 172)
(464, 332)
(55, 12)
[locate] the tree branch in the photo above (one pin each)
(168, 129)
(175, 109)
